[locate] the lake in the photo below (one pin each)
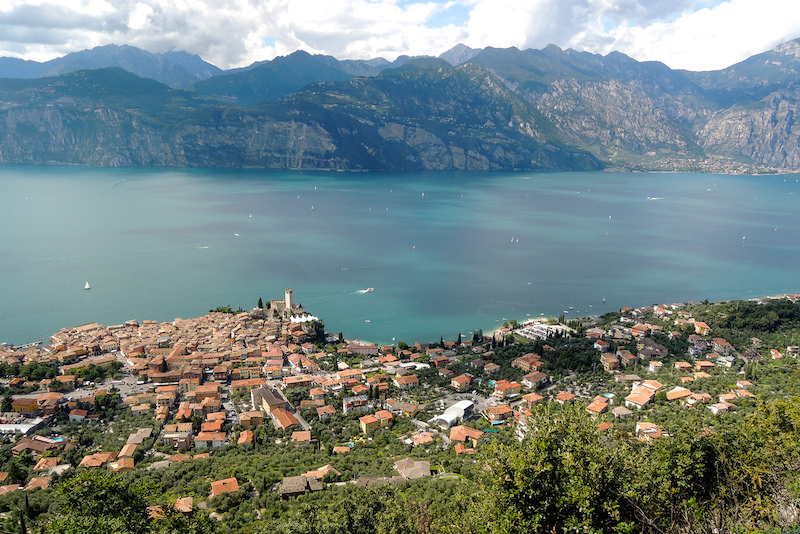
(444, 252)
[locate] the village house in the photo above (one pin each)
(503, 389)
(598, 406)
(465, 434)
(461, 382)
(405, 382)
(267, 399)
(609, 362)
(534, 379)
(354, 403)
(228, 485)
(528, 362)
(499, 413)
(564, 397)
(284, 419)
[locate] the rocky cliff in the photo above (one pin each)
(547, 109)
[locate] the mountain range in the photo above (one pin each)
(469, 109)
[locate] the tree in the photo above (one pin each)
(477, 336)
(561, 478)
(458, 340)
(98, 501)
(260, 303)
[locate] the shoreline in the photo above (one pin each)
(488, 333)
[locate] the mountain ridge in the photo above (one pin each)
(470, 109)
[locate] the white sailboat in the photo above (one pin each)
(87, 286)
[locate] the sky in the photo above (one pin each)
(685, 34)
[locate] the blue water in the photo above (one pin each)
(436, 247)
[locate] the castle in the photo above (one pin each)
(285, 309)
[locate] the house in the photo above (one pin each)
(531, 380)
(720, 407)
(38, 483)
(463, 434)
(25, 406)
(296, 486)
(127, 450)
(122, 465)
(78, 415)
(601, 345)
(368, 423)
(609, 362)
(322, 472)
(97, 459)
(46, 463)
(323, 412)
(621, 412)
(301, 437)
(626, 357)
(701, 328)
(228, 485)
(252, 419)
(267, 399)
(702, 398)
(461, 382)
(491, 368)
(683, 367)
(504, 389)
(564, 397)
(355, 403)
(405, 382)
(532, 399)
(638, 399)
(528, 362)
(649, 431)
(410, 469)
(678, 393)
(446, 373)
(37, 446)
(284, 419)
(597, 407)
(246, 437)
(210, 440)
(655, 367)
(721, 345)
(704, 365)
(499, 413)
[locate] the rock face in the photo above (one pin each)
(767, 133)
(547, 109)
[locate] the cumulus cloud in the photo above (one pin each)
(696, 34)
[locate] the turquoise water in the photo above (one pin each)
(436, 247)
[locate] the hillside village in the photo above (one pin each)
(149, 395)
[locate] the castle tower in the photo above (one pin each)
(288, 301)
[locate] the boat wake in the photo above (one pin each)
(368, 290)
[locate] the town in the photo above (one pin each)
(146, 397)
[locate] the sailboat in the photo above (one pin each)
(87, 286)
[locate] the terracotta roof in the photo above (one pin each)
(463, 433)
(228, 485)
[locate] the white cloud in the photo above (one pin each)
(711, 38)
(696, 34)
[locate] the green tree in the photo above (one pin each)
(97, 501)
(561, 478)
